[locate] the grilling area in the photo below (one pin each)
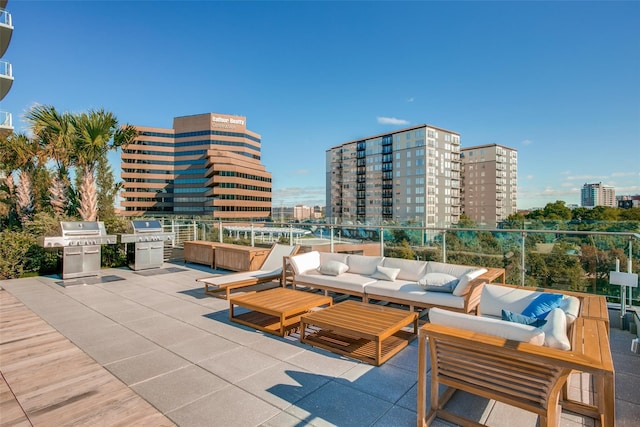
(177, 350)
(81, 243)
(147, 239)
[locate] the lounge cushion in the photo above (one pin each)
(362, 264)
(542, 305)
(411, 292)
(386, 273)
(335, 256)
(521, 318)
(438, 282)
(333, 268)
(410, 269)
(349, 282)
(555, 330)
(488, 326)
(465, 280)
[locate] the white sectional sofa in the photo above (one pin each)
(421, 284)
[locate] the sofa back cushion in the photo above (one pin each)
(452, 269)
(362, 264)
(302, 263)
(410, 269)
(331, 256)
(495, 298)
(487, 326)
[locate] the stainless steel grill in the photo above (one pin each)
(148, 248)
(81, 247)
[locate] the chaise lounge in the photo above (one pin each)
(271, 269)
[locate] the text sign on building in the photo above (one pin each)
(226, 122)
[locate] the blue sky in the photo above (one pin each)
(558, 81)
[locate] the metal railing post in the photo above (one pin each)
(253, 236)
(381, 241)
(522, 258)
(331, 239)
(220, 234)
(444, 246)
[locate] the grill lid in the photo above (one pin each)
(152, 226)
(72, 229)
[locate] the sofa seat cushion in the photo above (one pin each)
(411, 291)
(495, 298)
(488, 326)
(348, 281)
(410, 269)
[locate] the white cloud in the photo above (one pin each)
(410, 99)
(530, 177)
(391, 121)
(301, 172)
(527, 142)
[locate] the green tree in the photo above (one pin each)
(55, 134)
(97, 132)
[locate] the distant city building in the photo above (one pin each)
(489, 183)
(598, 194)
(207, 164)
(297, 212)
(6, 69)
(409, 175)
(628, 202)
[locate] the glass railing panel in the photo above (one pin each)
(576, 256)
(6, 119)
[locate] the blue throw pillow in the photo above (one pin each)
(520, 318)
(542, 305)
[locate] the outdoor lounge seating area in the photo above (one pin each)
(176, 347)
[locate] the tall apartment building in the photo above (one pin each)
(6, 70)
(489, 183)
(598, 194)
(410, 175)
(207, 164)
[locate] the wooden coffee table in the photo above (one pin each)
(277, 310)
(367, 332)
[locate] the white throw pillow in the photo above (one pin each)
(333, 268)
(555, 330)
(463, 284)
(438, 282)
(386, 273)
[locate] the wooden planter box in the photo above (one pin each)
(225, 255)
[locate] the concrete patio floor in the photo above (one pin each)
(176, 348)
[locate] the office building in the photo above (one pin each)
(6, 69)
(410, 175)
(489, 183)
(206, 165)
(598, 194)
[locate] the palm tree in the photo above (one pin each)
(97, 132)
(19, 153)
(55, 134)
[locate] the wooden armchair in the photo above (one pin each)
(520, 374)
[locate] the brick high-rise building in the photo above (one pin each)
(207, 164)
(489, 183)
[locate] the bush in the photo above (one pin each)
(15, 248)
